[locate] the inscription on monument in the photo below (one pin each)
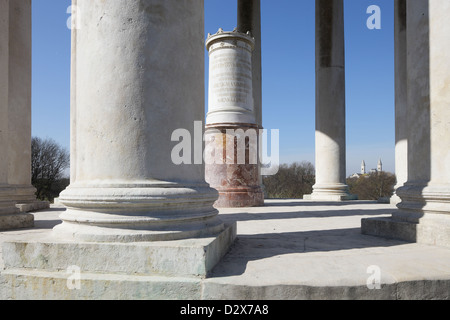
(231, 87)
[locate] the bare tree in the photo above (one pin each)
(48, 162)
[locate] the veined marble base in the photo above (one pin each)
(240, 197)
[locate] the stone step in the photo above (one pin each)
(191, 257)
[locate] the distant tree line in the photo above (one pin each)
(291, 182)
(295, 180)
(373, 186)
(48, 162)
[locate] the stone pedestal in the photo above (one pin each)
(424, 211)
(232, 134)
(330, 104)
(137, 76)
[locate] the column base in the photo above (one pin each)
(22, 193)
(329, 197)
(330, 192)
(146, 211)
(432, 230)
(24, 197)
(423, 216)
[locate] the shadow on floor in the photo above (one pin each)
(254, 247)
(307, 203)
(48, 218)
(280, 214)
(247, 248)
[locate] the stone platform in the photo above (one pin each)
(289, 249)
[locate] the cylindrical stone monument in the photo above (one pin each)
(137, 76)
(231, 136)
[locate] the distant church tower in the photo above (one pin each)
(363, 167)
(380, 166)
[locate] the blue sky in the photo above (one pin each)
(288, 75)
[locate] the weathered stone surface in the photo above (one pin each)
(42, 285)
(290, 249)
(16, 221)
(192, 257)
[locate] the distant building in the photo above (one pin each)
(380, 166)
(372, 171)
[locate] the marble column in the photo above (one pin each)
(10, 81)
(423, 214)
(401, 127)
(330, 103)
(137, 76)
(231, 155)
